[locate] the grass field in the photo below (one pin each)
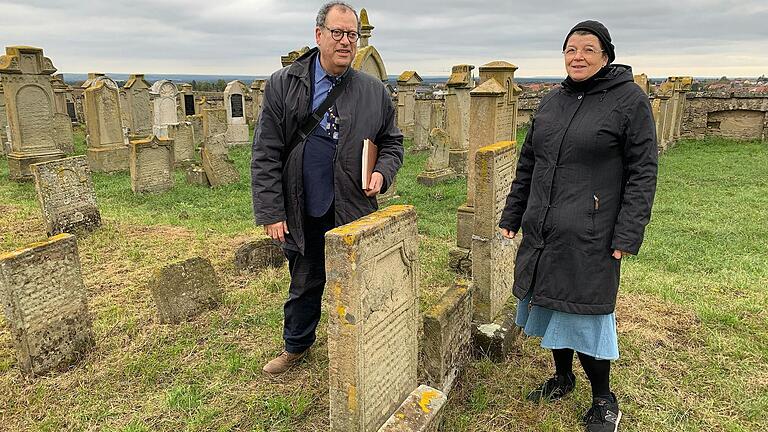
(692, 312)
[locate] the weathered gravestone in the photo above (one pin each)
(26, 77)
(197, 129)
(214, 122)
(437, 116)
(422, 119)
(62, 124)
(45, 304)
(151, 165)
(188, 100)
(257, 95)
(182, 134)
(107, 151)
(196, 176)
(421, 411)
(219, 168)
(257, 255)
(373, 289)
(237, 125)
(457, 103)
(66, 195)
(185, 289)
(493, 256)
(447, 334)
(436, 170)
(138, 106)
(407, 83)
(164, 98)
(3, 121)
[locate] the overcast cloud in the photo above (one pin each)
(247, 37)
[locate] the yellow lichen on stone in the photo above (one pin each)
(426, 399)
(342, 311)
(35, 245)
(352, 398)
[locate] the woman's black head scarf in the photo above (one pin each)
(599, 30)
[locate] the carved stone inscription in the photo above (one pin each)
(151, 165)
(189, 104)
(237, 105)
(66, 195)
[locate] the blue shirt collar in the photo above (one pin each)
(320, 73)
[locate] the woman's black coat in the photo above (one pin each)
(584, 186)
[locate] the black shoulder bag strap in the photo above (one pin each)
(314, 119)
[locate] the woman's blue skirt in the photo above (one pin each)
(594, 335)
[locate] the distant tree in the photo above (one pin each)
(724, 80)
(220, 85)
(194, 85)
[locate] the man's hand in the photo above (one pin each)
(277, 230)
(374, 186)
(507, 233)
(617, 254)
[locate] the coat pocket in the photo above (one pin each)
(593, 214)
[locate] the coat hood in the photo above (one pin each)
(615, 75)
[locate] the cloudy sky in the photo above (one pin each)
(247, 37)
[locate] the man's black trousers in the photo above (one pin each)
(305, 295)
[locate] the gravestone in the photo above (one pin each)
(197, 129)
(368, 60)
(437, 116)
(185, 289)
(493, 256)
(107, 151)
(165, 110)
(447, 335)
(3, 120)
(138, 106)
(457, 104)
(45, 304)
(71, 112)
(214, 122)
(29, 103)
(182, 135)
(422, 120)
(151, 165)
(196, 176)
(66, 195)
(642, 81)
(292, 56)
(257, 95)
(407, 83)
(62, 124)
(373, 289)
(436, 170)
(257, 255)
(234, 101)
(92, 77)
(219, 168)
(421, 411)
(188, 100)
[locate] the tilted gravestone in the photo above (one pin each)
(151, 165)
(66, 195)
(45, 304)
(493, 256)
(185, 289)
(26, 78)
(219, 168)
(373, 290)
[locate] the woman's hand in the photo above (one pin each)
(507, 233)
(617, 254)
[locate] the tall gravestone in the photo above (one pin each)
(437, 116)
(188, 100)
(457, 102)
(164, 98)
(493, 256)
(234, 102)
(151, 165)
(407, 83)
(107, 151)
(138, 106)
(436, 170)
(373, 288)
(3, 121)
(257, 95)
(45, 304)
(642, 81)
(368, 60)
(183, 137)
(422, 120)
(62, 124)
(29, 103)
(214, 122)
(66, 195)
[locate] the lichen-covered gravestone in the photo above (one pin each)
(185, 289)
(45, 304)
(66, 195)
(372, 284)
(182, 134)
(219, 168)
(151, 165)
(257, 255)
(422, 411)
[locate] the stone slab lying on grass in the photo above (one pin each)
(45, 304)
(420, 412)
(257, 255)
(185, 289)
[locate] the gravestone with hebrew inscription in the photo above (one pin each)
(151, 165)
(45, 304)
(234, 102)
(436, 170)
(25, 74)
(188, 100)
(219, 168)
(107, 151)
(493, 256)
(165, 110)
(183, 138)
(373, 289)
(185, 289)
(66, 195)
(138, 106)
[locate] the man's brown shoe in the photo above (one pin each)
(283, 362)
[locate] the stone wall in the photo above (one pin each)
(726, 114)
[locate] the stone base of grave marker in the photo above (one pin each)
(183, 290)
(498, 339)
(422, 411)
(431, 178)
(108, 159)
(18, 163)
(196, 176)
(447, 334)
(257, 255)
(460, 260)
(457, 160)
(45, 304)
(237, 135)
(465, 220)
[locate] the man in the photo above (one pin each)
(302, 191)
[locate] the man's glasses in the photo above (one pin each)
(337, 34)
(587, 52)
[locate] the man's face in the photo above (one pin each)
(336, 56)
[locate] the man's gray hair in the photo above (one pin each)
(322, 14)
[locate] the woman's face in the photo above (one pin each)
(583, 56)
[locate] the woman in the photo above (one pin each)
(583, 193)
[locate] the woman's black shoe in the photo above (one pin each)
(554, 388)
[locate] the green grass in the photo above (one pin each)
(692, 313)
